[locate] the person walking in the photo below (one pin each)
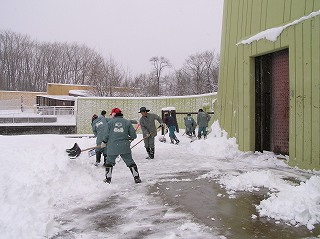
(149, 130)
(171, 124)
(203, 119)
(98, 126)
(117, 137)
(190, 125)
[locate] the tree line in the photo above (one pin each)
(28, 65)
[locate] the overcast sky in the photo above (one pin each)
(131, 31)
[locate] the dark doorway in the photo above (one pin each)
(272, 102)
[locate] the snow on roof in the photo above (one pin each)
(168, 108)
(80, 92)
(66, 84)
(59, 97)
(272, 34)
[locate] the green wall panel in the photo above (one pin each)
(87, 106)
(315, 101)
(236, 104)
(307, 87)
(299, 93)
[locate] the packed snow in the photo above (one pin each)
(41, 187)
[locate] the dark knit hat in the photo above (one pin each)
(94, 117)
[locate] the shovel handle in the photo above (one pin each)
(95, 147)
(145, 137)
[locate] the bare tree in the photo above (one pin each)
(30, 65)
(199, 73)
(105, 76)
(159, 64)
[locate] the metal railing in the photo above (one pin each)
(55, 110)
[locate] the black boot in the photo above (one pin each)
(98, 158)
(134, 170)
(104, 160)
(151, 153)
(148, 151)
(176, 139)
(109, 169)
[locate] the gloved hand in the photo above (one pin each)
(103, 145)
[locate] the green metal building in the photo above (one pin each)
(269, 82)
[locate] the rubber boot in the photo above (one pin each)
(105, 160)
(135, 173)
(151, 153)
(176, 139)
(98, 158)
(148, 151)
(109, 169)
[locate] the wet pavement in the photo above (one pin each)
(203, 199)
(232, 217)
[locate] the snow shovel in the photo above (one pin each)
(91, 152)
(145, 137)
(74, 147)
(75, 153)
(163, 138)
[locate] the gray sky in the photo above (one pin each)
(131, 31)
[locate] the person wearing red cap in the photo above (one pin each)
(117, 137)
(114, 111)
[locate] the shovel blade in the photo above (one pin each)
(162, 139)
(74, 147)
(75, 153)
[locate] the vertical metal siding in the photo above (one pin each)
(244, 18)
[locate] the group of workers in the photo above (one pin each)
(114, 135)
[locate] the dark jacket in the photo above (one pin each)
(98, 127)
(169, 121)
(189, 122)
(203, 119)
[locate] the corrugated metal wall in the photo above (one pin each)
(235, 105)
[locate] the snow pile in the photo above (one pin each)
(299, 205)
(218, 145)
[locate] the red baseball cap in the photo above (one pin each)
(115, 111)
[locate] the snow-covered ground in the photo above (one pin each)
(40, 185)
